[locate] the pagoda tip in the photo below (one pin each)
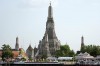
(50, 3)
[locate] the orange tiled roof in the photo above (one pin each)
(16, 53)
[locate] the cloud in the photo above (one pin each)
(37, 3)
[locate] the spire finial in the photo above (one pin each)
(50, 14)
(50, 3)
(82, 40)
(17, 37)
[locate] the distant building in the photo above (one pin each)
(84, 56)
(82, 46)
(82, 43)
(17, 44)
(17, 51)
(50, 43)
(30, 52)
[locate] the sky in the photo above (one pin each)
(27, 20)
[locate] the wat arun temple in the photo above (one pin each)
(50, 43)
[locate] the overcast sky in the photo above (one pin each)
(27, 20)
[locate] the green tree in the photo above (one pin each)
(71, 53)
(6, 52)
(92, 50)
(58, 53)
(64, 51)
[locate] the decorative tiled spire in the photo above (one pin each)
(17, 43)
(82, 40)
(50, 13)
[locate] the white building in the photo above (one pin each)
(84, 56)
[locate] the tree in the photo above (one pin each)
(92, 50)
(58, 53)
(71, 53)
(64, 51)
(6, 52)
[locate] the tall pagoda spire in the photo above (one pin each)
(17, 43)
(50, 43)
(82, 40)
(82, 43)
(50, 12)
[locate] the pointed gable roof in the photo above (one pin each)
(30, 47)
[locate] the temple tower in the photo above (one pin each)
(30, 52)
(50, 41)
(17, 43)
(82, 43)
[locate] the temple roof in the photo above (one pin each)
(30, 48)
